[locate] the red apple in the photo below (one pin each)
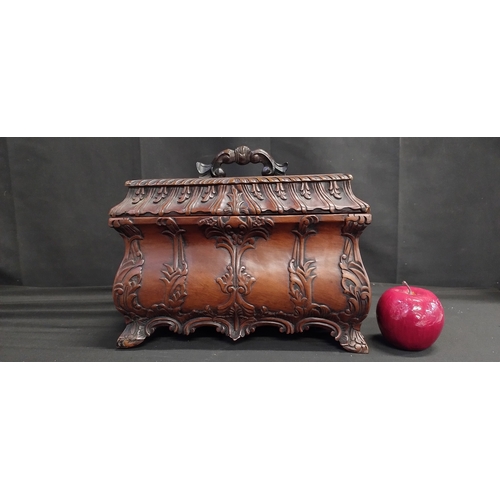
(410, 318)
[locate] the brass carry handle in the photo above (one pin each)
(242, 155)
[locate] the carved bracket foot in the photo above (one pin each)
(352, 340)
(134, 334)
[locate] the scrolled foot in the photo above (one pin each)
(133, 335)
(352, 340)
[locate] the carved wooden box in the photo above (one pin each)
(239, 253)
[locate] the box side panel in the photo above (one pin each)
(268, 264)
(298, 268)
(180, 270)
(323, 250)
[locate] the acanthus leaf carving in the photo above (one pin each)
(129, 275)
(355, 284)
(334, 190)
(302, 272)
(208, 193)
(161, 194)
(175, 274)
(280, 191)
(305, 190)
(233, 220)
(256, 192)
(138, 195)
(236, 204)
(224, 196)
(185, 194)
(236, 235)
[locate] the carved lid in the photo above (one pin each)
(195, 181)
(294, 194)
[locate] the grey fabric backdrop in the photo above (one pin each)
(435, 201)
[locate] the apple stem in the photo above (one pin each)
(407, 286)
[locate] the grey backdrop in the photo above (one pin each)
(435, 201)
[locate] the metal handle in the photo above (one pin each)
(241, 155)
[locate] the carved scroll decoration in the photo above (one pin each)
(129, 276)
(128, 282)
(242, 155)
(302, 272)
(139, 194)
(328, 193)
(355, 284)
(175, 275)
(236, 317)
(236, 235)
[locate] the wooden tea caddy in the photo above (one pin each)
(239, 253)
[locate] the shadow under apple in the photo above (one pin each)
(378, 341)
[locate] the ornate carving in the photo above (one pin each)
(175, 275)
(354, 200)
(242, 155)
(354, 225)
(133, 335)
(129, 276)
(355, 284)
(352, 340)
(302, 272)
(250, 196)
(305, 191)
(138, 195)
(160, 194)
(236, 235)
(326, 196)
(185, 194)
(128, 280)
(256, 192)
(138, 330)
(208, 194)
(236, 317)
(280, 192)
(236, 204)
(232, 212)
(334, 190)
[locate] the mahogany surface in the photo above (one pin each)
(239, 253)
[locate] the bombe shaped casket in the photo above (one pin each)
(238, 253)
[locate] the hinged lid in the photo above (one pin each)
(220, 195)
